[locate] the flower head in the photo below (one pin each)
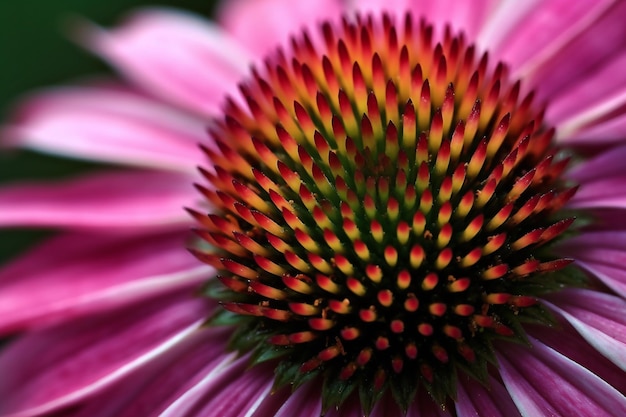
(387, 213)
(373, 240)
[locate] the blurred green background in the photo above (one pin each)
(35, 52)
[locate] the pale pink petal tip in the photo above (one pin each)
(108, 201)
(185, 60)
(109, 123)
(263, 25)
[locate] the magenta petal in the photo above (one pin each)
(612, 276)
(532, 32)
(583, 55)
(74, 275)
(113, 200)
(47, 370)
(577, 105)
(179, 57)
(542, 382)
(606, 192)
(476, 400)
(110, 124)
(599, 318)
(605, 165)
(568, 342)
(466, 16)
(304, 402)
(151, 391)
(603, 133)
(263, 25)
(602, 254)
(235, 391)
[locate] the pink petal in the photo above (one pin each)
(179, 57)
(567, 341)
(396, 8)
(78, 274)
(476, 400)
(613, 277)
(602, 134)
(606, 192)
(525, 35)
(45, 371)
(593, 48)
(466, 16)
(230, 389)
(599, 318)
(263, 25)
(602, 254)
(235, 393)
(606, 247)
(605, 165)
(589, 93)
(304, 402)
(110, 124)
(608, 219)
(541, 381)
(111, 200)
(151, 391)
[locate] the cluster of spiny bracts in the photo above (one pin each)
(381, 204)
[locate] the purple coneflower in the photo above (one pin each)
(403, 209)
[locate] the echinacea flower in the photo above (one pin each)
(405, 208)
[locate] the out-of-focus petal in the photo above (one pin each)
(45, 371)
(605, 165)
(580, 103)
(475, 400)
(599, 318)
(601, 135)
(179, 57)
(582, 56)
(525, 34)
(108, 123)
(75, 275)
(602, 181)
(602, 254)
(460, 15)
(541, 381)
(263, 25)
(113, 200)
(608, 192)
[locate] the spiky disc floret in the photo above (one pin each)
(381, 208)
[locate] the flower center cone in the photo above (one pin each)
(383, 204)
